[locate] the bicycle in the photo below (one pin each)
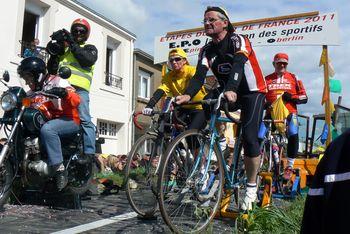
(195, 167)
(272, 147)
(144, 160)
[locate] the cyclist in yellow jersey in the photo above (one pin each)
(174, 83)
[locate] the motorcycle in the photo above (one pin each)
(23, 160)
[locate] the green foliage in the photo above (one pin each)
(115, 177)
(118, 178)
(272, 219)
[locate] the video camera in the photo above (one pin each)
(57, 44)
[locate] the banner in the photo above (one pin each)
(319, 29)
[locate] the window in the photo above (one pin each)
(112, 64)
(30, 26)
(33, 21)
(108, 128)
(144, 84)
(102, 128)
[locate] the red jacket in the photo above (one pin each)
(54, 108)
(287, 83)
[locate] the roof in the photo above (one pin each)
(146, 56)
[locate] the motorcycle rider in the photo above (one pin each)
(80, 58)
(61, 111)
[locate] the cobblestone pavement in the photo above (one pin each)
(43, 219)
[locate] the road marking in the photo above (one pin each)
(97, 224)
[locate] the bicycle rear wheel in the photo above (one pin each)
(143, 160)
(189, 196)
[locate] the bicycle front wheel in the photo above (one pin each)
(143, 160)
(190, 182)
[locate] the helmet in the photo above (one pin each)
(81, 22)
(32, 65)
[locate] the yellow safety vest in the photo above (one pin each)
(81, 76)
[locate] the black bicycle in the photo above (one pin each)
(145, 156)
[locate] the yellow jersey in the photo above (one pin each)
(175, 84)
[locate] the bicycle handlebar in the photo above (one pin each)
(213, 102)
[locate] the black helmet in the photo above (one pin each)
(32, 65)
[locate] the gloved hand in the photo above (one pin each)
(58, 91)
(147, 111)
(287, 96)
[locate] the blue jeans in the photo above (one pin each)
(50, 134)
(85, 118)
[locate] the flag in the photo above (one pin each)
(325, 95)
(324, 134)
(164, 69)
(331, 71)
(323, 58)
(335, 86)
(331, 106)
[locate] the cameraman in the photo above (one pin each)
(69, 49)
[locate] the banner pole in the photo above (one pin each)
(326, 93)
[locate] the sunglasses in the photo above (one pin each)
(210, 20)
(79, 31)
(282, 63)
(176, 59)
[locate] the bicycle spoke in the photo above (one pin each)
(190, 205)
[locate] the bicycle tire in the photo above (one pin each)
(143, 202)
(200, 209)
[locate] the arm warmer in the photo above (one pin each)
(236, 74)
(158, 94)
(196, 81)
(86, 55)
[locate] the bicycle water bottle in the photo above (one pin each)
(275, 152)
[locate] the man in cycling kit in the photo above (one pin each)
(284, 83)
(232, 60)
(174, 83)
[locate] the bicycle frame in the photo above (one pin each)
(230, 176)
(159, 131)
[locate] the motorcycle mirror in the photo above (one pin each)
(64, 72)
(6, 76)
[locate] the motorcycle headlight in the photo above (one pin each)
(8, 101)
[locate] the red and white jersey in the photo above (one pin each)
(220, 58)
(277, 85)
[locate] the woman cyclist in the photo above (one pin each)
(174, 83)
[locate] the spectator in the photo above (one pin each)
(33, 50)
(327, 205)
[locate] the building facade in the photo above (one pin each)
(147, 78)
(111, 90)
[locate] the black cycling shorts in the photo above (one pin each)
(252, 107)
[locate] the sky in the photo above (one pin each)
(150, 18)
